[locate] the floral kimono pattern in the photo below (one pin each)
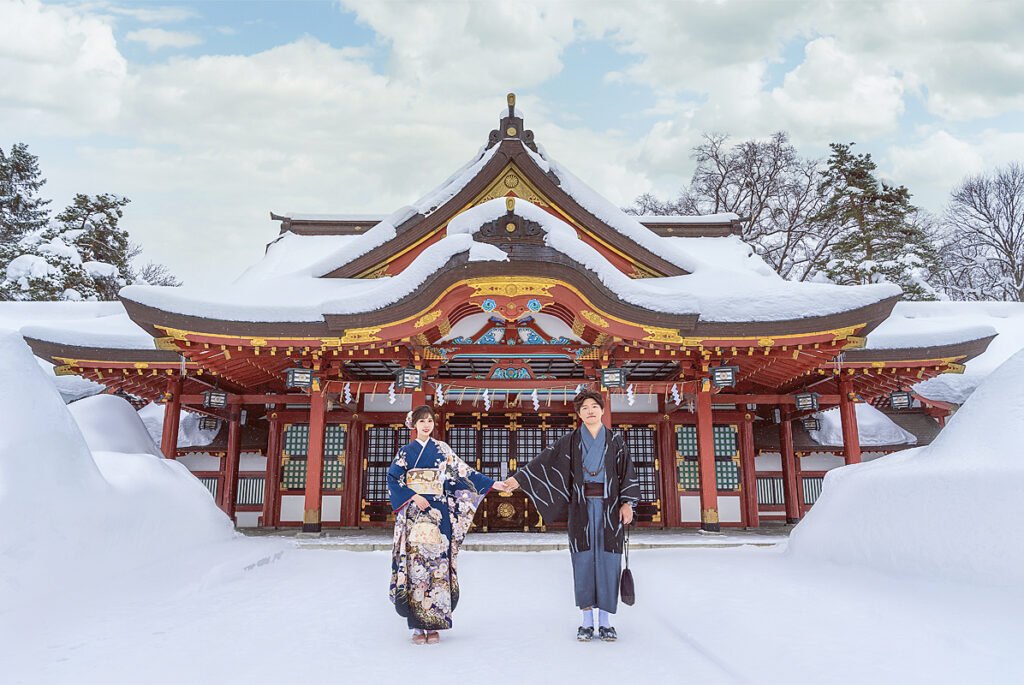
(424, 578)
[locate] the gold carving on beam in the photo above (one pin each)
(176, 333)
(378, 273)
(662, 335)
(577, 327)
(355, 336)
(593, 318)
(330, 342)
(509, 286)
(601, 339)
(709, 516)
(640, 273)
(855, 342)
(420, 339)
(427, 319)
(141, 365)
(953, 367)
(444, 328)
(878, 365)
(258, 342)
(165, 344)
(847, 332)
(64, 370)
(766, 342)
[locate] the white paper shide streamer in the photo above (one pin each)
(487, 400)
(629, 395)
(536, 400)
(675, 395)
(391, 394)
(348, 393)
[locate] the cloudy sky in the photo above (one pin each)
(211, 114)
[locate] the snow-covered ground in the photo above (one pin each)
(702, 616)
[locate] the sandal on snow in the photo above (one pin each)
(584, 634)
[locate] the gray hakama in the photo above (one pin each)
(596, 572)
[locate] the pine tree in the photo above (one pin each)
(47, 266)
(21, 210)
(882, 234)
(92, 224)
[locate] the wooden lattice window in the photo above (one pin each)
(250, 490)
(334, 474)
(382, 443)
(529, 443)
(770, 490)
(296, 439)
(812, 488)
(293, 474)
(462, 440)
(210, 483)
(727, 468)
(495, 449)
(554, 433)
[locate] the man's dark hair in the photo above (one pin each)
(588, 395)
(422, 411)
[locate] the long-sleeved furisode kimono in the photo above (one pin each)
(424, 581)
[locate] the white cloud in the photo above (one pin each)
(155, 14)
(939, 160)
(62, 70)
(156, 39)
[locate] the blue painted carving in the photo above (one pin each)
(511, 373)
(531, 337)
(492, 337)
(533, 305)
(488, 305)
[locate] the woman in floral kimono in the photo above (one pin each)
(434, 495)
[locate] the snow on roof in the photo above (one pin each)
(293, 253)
(301, 216)
(738, 289)
(115, 331)
(873, 428)
(938, 323)
(14, 315)
(723, 218)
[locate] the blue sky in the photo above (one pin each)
(209, 115)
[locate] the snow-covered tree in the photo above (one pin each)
(983, 237)
(767, 183)
(881, 236)
(47, 266)
(104, 247)
(154, 274)
(21, 209)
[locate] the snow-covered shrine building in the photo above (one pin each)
(508, 287)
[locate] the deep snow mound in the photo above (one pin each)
(111, 424)
(70, 517)
(950, 509)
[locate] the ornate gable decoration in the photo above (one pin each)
(510, 228)
(511, 126)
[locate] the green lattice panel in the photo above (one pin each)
(725, 442)
(334, 441)
(293, 474)
(688, 475)
(686, 441)
(334, 474)
(296, 440)
(727, 473)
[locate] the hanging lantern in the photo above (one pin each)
(806, 401)
(299, 378)
(901, 399)
(208, 423)
(724, 376)
(812, 423)
(410, 379)
(215, 399)
(613, 377)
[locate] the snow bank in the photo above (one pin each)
(110, 424)
(950, 509)
(107, 513)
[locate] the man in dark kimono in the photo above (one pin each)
(588, 476)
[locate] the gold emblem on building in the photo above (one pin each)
(511, 180)
(593, 318)
(360, 335)
(662, 335)
(506, 510)
(427, 319)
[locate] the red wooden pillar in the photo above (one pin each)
(231, 463)
(314, 462)
(273, 481)
(351, 496)
(848, 416)
(748, 471)
(670, 512)
(706, 461)
(789, 470)
(172, 417)
(606, 418)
